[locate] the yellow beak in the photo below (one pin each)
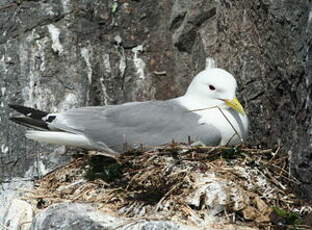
(234, 104)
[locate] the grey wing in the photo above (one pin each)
(147, 123)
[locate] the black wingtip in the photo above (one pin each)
(13, 106)
(29, 112)
(30, 123)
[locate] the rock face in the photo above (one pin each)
(73, 216)
(82, 216)
(59, 54)
(19, 215)
(13, 211)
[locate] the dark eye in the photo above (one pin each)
(211, 87)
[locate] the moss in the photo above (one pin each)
(101, 167)
(286, 217)
(231, 153)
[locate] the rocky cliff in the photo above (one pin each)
(59, 54)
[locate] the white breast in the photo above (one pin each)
(233, 126)
(233, 129)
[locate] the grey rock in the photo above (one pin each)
(18, 215)
(71, 216)
(10, 190)
(155, 225)
(186, 19)
(47, 162)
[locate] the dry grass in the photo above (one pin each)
(192, 185)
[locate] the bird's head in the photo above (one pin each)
(215, 85)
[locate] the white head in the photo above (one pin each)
(213, 83)
(214, 86)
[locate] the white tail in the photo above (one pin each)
(60, 138)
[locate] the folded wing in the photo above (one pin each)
(134, 124)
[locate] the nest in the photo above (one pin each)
(197, 186)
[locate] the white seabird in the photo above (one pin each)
(208, 113)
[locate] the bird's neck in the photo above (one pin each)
(194, 102)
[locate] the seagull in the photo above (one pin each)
(209, 113)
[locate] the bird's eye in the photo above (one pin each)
(211, 87)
